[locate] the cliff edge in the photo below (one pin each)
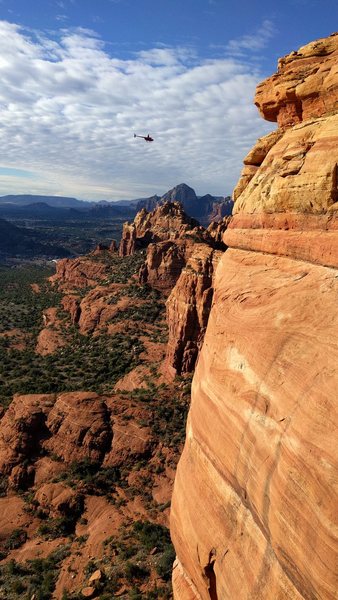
(256, 487)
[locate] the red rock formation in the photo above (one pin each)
(183, 267)
(188, 308)
(79, 427)
(96, 308)
(113, 246)
(73, 273)
(305, 86)
(216, 230)
(71, 426)
(256, 486)
(127, 245)
(71, 304)
(22, 428)
(166, 222)
(50, 337)
(164, 263)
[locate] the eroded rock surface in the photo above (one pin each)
(166, 222)
(256, 487)
(74, 273)
(188, 308)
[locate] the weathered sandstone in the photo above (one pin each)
(164, 263)
(79, 425)
(166, 222)
(188, 308)
(253, 512)
(74, 273)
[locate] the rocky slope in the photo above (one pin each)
(165, 222)
(256, 487)
(86, 476)
(180, 262)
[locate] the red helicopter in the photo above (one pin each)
(147, 138)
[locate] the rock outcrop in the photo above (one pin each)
(74, 273)
(180, 260)
(256, 487)
(188, 308)
(166, 222)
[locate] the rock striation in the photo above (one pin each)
(74, 273)
(256, 487)
(188, 308)
(180, 261)
(166, 222)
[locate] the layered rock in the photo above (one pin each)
(256, 487)
(39, 429)
(165, 260)
(166, 222)
(50, 337)
(188, 308)
(73, 273)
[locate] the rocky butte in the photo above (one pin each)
(181, 259)
(256, 488)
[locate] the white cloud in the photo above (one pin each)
(253, 42)
(68, 111)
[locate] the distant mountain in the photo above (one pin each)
(19, 242)
(204, 208)
(104, 210)
(149, 203)
(56, 201)
(186, 196)
(38, 210)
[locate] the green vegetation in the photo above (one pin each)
(94, 478)
(122, 269)
(93, 364)
(140, 556)
(20, 307)
(166, 419)
(33, 578)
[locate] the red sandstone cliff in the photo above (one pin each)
(166, 222)
(188, 308)
(180, 260)
(256, 487)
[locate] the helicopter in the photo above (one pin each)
(147, 138)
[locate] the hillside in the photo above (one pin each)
(17, 241)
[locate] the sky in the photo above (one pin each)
(79, 77)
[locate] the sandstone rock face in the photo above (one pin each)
(305, 86)
(256, 487)
(68, 427)
(21, 428)
(164, 263)
(79, 424)
(127, 245)
(166, 222)
(50, 337)
(216, 230)
(188, 308)
(78, 273)
(95, 310)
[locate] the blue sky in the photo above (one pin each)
(78, 77)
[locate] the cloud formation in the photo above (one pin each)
(253, 42)
(69, 108)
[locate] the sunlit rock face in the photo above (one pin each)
(165, 222)
(256, 488)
